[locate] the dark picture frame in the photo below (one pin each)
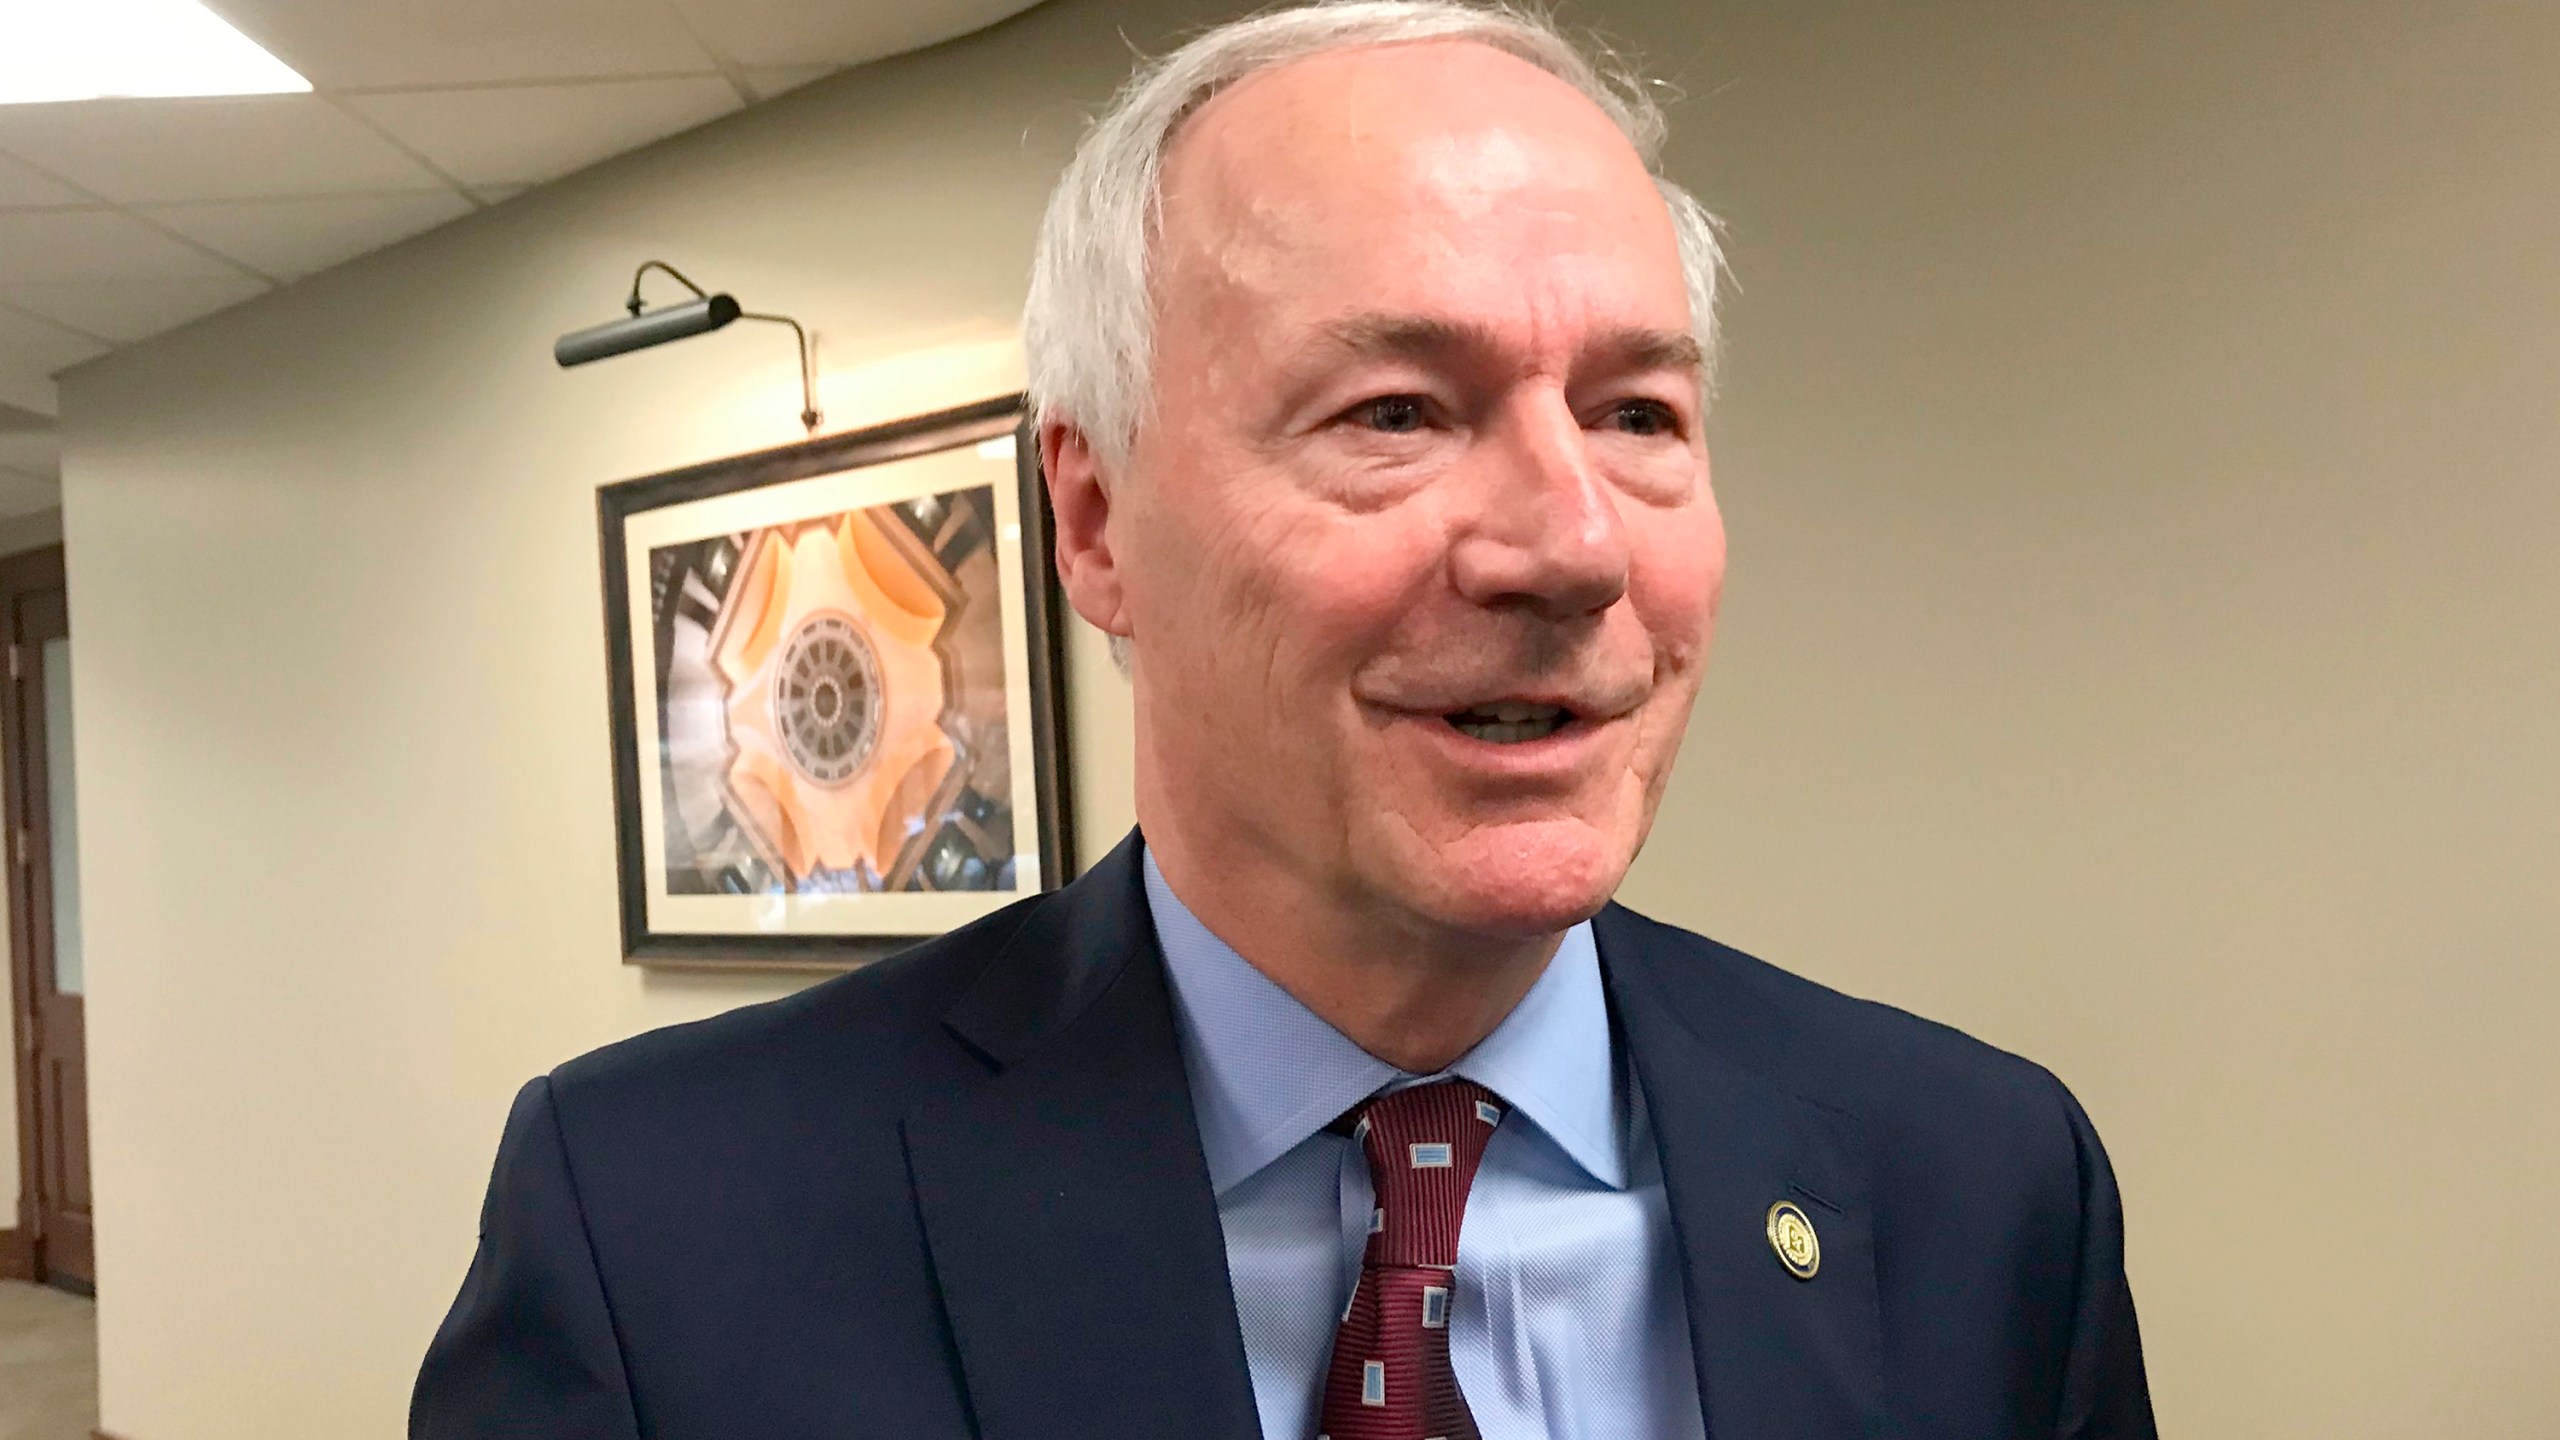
(816, 781)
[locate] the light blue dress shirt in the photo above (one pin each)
(1570, 1322)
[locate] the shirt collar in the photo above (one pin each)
(1266, 1072)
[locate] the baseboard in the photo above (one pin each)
(17, 1257)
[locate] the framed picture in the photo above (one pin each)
(838, 708)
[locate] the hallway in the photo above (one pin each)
(48, 1364)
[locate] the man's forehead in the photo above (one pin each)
(1454, 115)
(1394, 160)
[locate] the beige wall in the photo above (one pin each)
(2140, 460)
(2144, 477)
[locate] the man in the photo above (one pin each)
(1370, 360)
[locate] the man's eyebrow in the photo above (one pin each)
(1412, 337)
(1642, 349)
(1424, 337)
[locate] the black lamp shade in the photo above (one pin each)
(639, 332)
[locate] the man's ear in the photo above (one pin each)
(1080, 498)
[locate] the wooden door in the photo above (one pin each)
(44, 911)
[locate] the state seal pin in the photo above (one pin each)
(1791, 1235)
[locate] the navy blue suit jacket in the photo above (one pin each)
(960, 1193)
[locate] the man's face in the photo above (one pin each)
(1417, 546)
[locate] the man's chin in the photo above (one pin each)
(1524, 880)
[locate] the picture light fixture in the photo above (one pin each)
(702, 314)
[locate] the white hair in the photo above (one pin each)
(1089, 320)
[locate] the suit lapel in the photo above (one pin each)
(1068, 1210)
(1778, 1358)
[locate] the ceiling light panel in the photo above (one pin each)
(90, 49)
(394, 44)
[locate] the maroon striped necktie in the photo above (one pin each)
(1391, 1378)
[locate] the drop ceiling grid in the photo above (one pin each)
(122, 218)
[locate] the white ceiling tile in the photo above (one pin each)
(289, 238)
(33, 346)
(23, 188)
(22, 493)
(338, 44)
(769, 81)
(122, 310)
(775, 33)
(532, 133)
(141, 152)
(47, 246)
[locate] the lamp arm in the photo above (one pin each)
(633, 304)
(809, 416)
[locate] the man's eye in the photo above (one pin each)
(1391, 414)
(1644, 417)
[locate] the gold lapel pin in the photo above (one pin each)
(1791, 1235)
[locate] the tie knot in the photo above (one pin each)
(1423, 1144)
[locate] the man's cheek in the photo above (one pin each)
(1676, 593)
(1345, 582)
(1206, 559)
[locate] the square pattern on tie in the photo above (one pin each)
(1433, 1155)
(1435, 1307)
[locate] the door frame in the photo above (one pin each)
(21, 575)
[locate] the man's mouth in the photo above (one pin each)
(1509, 722)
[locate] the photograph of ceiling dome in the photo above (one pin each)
(833, 684)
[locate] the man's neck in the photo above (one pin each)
(1414, 994)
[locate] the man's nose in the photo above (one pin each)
(1546, 535)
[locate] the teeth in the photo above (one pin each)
(1501, 734)
(1509, 723)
